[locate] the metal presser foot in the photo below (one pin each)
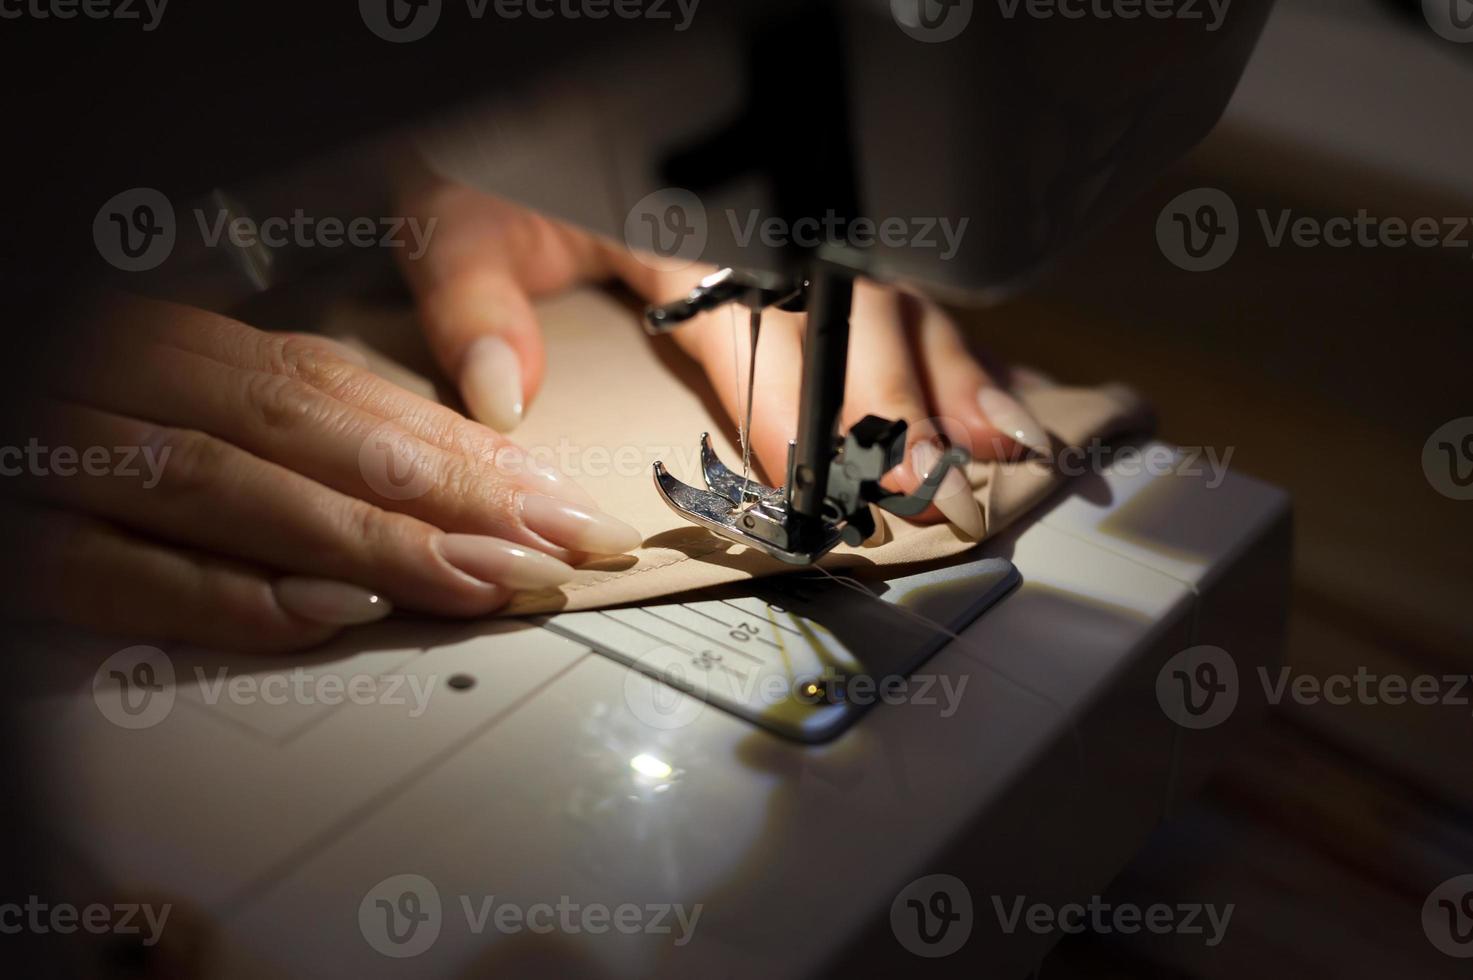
(830, 481)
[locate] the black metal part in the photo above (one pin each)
(755, 291)
(830, 482)
(825, 361)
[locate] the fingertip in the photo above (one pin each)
(484, 331)
(492, 383)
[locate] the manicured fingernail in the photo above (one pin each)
(1027, 379)
(500, 562)
(954, 497)
(1009, 417)
(491, 383)
(543, 479)
(577, 528)
(325, 601)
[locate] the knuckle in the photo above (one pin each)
(310, 363)
(193, 460)
(364, 524)
(281, 402)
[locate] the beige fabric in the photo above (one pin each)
(614, 403)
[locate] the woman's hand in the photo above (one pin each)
(192, 478)
(907, 360)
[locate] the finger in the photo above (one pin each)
(198, 492)
(724, 353)
(475, 283)
(883, 381)
(283, 420)
(996, 423)
(316, 361)
(96, 576)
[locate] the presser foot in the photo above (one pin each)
(746, 511)
(762, 517)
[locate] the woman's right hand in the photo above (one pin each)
(191, 478)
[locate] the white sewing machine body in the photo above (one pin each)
(543, 782)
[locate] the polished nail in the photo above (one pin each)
(577, 528)
(954, 497)
(499, 562)
(1009, 417)
(491, 383)
(325, 601)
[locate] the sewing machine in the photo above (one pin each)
(311, 839)
(1074, 119)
